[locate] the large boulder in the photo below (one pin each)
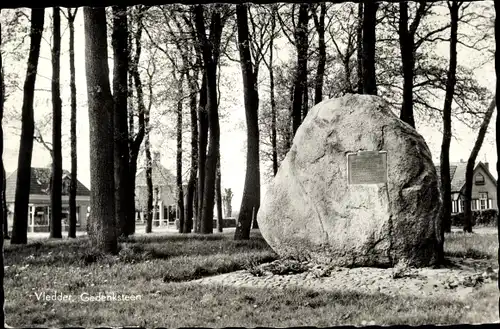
(311, 211)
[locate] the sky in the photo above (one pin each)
(233, 134)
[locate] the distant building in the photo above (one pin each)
(164, 193)
(39, 200)
(484, 187)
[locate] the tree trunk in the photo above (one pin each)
(228, 197)
(274, 140)
(359, 47)
(497, 126)
(120, 96)
(180, 189)
(3, 213)
(274, 143)
(5, 210)
(5, 221)
(289, 127)
(210, 58)
(368, 62)
(471, 163)
(320, 71)
(218, 197)
(56, 186)
(20, 225)
(347, 74)
(101, 109)
(191, 187)
(406, 44)
(251, 192)
(300, 84)
(196, 214)
(155, 206)
(135, 144)
(74, 156)
(202, 146)
(149, 179)
(305, 101)
(445, 145)
(132, 169)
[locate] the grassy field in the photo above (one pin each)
(152, 268)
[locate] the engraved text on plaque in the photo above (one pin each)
(367, 167)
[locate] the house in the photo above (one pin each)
(39, 200)
(164, 194)
(484, 187)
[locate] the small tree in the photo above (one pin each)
(471, 164)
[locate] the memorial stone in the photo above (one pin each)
(357, 188)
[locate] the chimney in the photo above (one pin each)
(487, 165)
(461, 160)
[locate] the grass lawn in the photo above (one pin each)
(152, 268)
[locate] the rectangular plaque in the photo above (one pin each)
(367, 167)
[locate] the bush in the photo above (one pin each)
(487, 217)
(228, 222)
(479, 217)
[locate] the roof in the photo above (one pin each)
(40, 182)
(160, 176)
(457, 174)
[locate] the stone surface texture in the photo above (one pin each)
(310, 212)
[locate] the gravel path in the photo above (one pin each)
(461, 280)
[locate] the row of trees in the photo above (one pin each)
(111, 211)
(345, 48)
(19, 233)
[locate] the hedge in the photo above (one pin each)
(228, 222)
(479, 217)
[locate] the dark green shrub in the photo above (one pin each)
(228, 222)
(487, 217)
(479, 217)
(458, 219)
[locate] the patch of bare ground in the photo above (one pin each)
(471, 266)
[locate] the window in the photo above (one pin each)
(40, 215)
(30, 215)
(483, 201)
(462, 206)
(474, 204)
(479, 179)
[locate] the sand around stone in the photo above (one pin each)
(461, 278)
